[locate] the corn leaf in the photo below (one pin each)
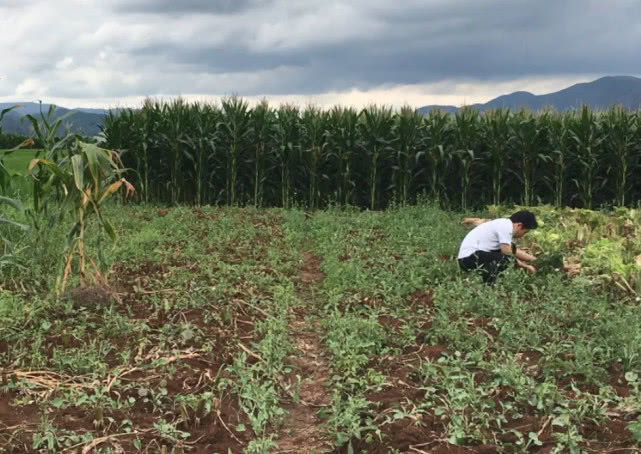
(52, 166)
(92, 151)
(15, 203)
(78, 167)
(23, 227)
(113, 187)
(109, 228)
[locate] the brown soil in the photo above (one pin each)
(90, 296)
(186, 374)
(302, 431)
(422, 298)
(426, 433)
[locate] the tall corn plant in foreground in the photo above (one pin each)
(235, 130)
(436, 146)
(87, 177)
(586, 145)
(376, 127)
(620, 129)
(408, 133)
(47, 130)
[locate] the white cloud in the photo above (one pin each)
(31, 87)
(352, 52)
(65, 63)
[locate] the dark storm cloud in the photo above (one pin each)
(304, 47)
(186, 6)
(420, 42)
(224, 59)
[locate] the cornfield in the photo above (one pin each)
(233, 154)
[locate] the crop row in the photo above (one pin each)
(285, 156)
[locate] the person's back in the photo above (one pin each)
(486, 237)
(488, 247)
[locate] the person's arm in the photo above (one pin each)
(522, 255)
(519, 255)
(527, 266)
(507, 249)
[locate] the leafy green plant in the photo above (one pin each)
(87, 179)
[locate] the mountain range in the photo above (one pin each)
(598, 94)
(85, 122)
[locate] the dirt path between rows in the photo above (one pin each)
(303, 430)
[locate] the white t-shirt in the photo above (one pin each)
(487, 237)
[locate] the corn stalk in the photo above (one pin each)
(48, 130)
(287, 136)
(586, 144)
(408, 132)
(200, 149)
(53, 146)
(466, 140)
(262, 126)
(175, 122)
(620, 129)
(526, 141)
(342, 137)
(436, 146)
(235, 126)
(496, 134)
(313, 123)
(87, 178)
(146, 126)
(557, 133)
(376, 132)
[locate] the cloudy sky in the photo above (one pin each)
(100, 53)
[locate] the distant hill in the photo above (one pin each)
(599, 95)
(85, 122)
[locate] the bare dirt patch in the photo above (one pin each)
(302, 430)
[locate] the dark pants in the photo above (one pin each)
(489, 264)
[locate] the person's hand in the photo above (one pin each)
(531, 269)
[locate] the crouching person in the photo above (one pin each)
(489, 249)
